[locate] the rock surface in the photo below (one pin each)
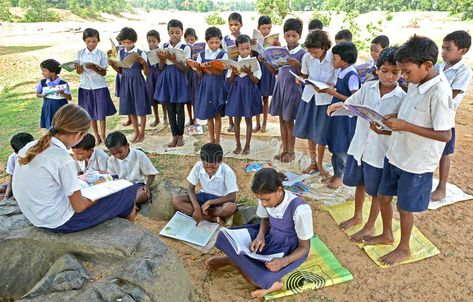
(161, 209)
(115, 261)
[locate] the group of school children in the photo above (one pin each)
(397, 158)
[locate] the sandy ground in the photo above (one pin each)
(445, 277)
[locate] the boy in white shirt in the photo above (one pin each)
(419, 133)
(216, 199)
(455, 45)
(88, 158)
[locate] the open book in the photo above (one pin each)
(364, 112)
(250, 62)
(94, 178)
(152, 56)
(240, 240)
(196, 48)
(318, 84)
(105, 189)
(53, 89)
(269, 40)
(71, 65)
(179, 53)
(232, 52)
(128, 61)
(184, 228)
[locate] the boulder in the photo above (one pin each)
(114, 261)
(161, 208)
(246, 215)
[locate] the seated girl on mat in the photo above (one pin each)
(286, 226)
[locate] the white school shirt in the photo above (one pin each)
(11, 162)
(318, 71)
(187, 50)
(97, 162)
(222, 183)
(211, 55)
(459, 78)
(89, 79)
(302, 215)
(353, 81)
(133, 168)
(428, 105)
(366, 144)
(42, 187)
(257, 73)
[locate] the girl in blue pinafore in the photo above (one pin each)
(52, 102)
(134, 100)
(152, 79)
(212, 92)
(173, 87)
(342, 128)
(191, 37)
(286, 226)
(244, 96)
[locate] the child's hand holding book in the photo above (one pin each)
(257, 244)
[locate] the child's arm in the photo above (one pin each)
(376, 129)
(296, 64)
(181, 66)
(80, 203)
(39, 95)
(116, 68)
(144, 64)
(249, 72)
(278, 263)
(221, 200)
(396, 124)
(270, 67)
(258, 243)
(98, 70)
(66, 95)
(197, 215)
(233, 73)
(162, 60)
(9, 191)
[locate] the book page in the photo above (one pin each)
(271, 40)
(196, 48)
(153, 56)
(232, 52)
(128, 61)
(53, 89)
(69, 66)
(276, 55)
(105, 189)
(251, 62)
(228, 63)
(179, 53)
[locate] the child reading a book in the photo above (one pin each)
(286, 227)
(312, 119)
(216, 199)
(455, 45)
(88, 158)
(287, 93)
(212, 91)
(53, 90)
(367, 149)
(134, 100)
(191, 37)
(244, 96)
(154, 72)
(94, 95)
(130, 164)
(173, 87)
(46, 186)
(343, 35)
(17, 142)
(367, 70)
(419, 133)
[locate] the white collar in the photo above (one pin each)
(240, 58)
(396, 92)
(344, 72)
(424, 87)
(56, 142)
(129, 156)
(210, 52)
(56, 81)
(134, 49)
(178, 45)
(91, 52)
(456, 66)
(294, 50)
(218, 173)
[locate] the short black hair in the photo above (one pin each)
(264, 20)
(116, 139)
(267, 180)
(418, 50)
(153, 33)
(211, 153)
(175, 23)
(388, 55)
(344, 34)
(235, 17)
(318, 39)
(347, 51)
(242, 39)
(382, 40)
(89, 33)
(87, 143)
(294, 24)
(460, 38)
(190, 32)
(51, 65)
(212, 32)
(316, 24)
(127, 33)
(20, 140)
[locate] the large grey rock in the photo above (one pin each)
(246, 215)
(115, 261)
(161, 208)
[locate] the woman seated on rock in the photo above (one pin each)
(46, 185)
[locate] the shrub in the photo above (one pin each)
(326, 18)
(214, 19)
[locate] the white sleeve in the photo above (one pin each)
(146, 166)
(257, 73)
(303, 222)
(230, 181)
(103, 60)
(305, 64)
(225, 56)
(199, 58)
(357, 98)
(229, 72)
(187, 52)
(144, 56)
(79, 55)
(193, 177)
(353, 83)
(68, 89)
(111, 167)
(441, 109)
(462, 80)
(68, 177)
(11, 164)
(261, 211)
(102, 161)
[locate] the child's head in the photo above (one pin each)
(117, 144)
(211, 156)
(387, 69)
(243, 44)
(264, 25)
(343, 35)
(344, 55)
(292, 32)
(19, 140)
(190, 36)
(268, 188)
(153, 39)
(70, 124)
(317, 43)
(213, 37)
(377, 45)
(84, 149)
(50, 68)
(91, 38)
(235, 22)
(455, 45)
(315, 24)
(175, 30)
(416, 58)
(128, 37)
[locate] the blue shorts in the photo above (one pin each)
(450, 145)
(365, 174)
(203, 197)
(412, 190)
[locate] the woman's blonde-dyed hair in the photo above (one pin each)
(68, 120)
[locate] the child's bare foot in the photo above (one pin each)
(173, 143)
(324, 173)
(345, 225)
(98, 141)
(328, 179)
(380, 239)
(140, 138)
(132, 215)
(190, 123)
(165, 122)
(246, 150)
(260, 293)
(438, 194)
(288, 157)
(217, 262)
(257, 128)
(180, 141)
(155, 123)
(134, 138)
(231, 128)
(280, 155)
(237, 150)
(335, 183)
(365, 232)
(396, 256)
(126, 123)
(263, 128)
(311, 168)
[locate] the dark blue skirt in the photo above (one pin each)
(312, 122)
(172, 87)
(50, 107)
(133, 94)
(210, 97)
(244, 98)
(97, 103)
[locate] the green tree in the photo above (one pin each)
(5, 10)
(276, 9)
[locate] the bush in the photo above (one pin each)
(34, 15)
(326, 18)
(5, 10)
(389, 16)
(214, 19)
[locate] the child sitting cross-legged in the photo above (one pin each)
(216, 199)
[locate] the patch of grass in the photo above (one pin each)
(6, 50)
